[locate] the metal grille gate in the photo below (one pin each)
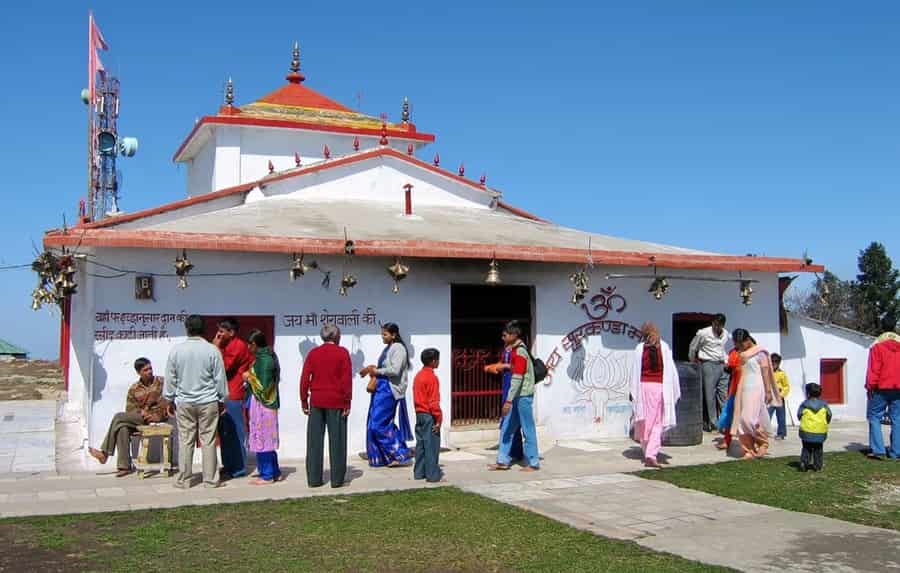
(475, 395)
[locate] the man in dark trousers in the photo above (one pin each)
(325, 393)
(232, 425)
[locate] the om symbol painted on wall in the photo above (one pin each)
(604, 302)
(599, 372)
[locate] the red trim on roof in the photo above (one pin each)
(144, 239)
(520, 212)
(259, 122)
(295, 94)
(320, 166)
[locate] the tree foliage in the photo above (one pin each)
(868, 304)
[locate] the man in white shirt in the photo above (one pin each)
(708, 350)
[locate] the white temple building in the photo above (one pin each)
(295, 174)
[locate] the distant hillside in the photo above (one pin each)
(30, 380)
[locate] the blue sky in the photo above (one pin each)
(741, 127)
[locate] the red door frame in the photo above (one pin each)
(832, 393)
(65, 337)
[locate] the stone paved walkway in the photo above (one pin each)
(585, 484)
(703, 527)
(27, 436)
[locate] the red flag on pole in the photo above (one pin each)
(95, 42)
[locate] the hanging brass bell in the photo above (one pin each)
(659, 287)
(398, 272)
(299, 268)
(348, 281)
(746, 293)
(493, 275)
(182, 267)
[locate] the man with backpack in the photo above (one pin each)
(518, 409)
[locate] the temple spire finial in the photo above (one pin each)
(295, 77)
(229, 93)
(405, 115)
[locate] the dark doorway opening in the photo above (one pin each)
(684, 327)
(477, 316)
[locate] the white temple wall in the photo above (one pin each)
(583, 399)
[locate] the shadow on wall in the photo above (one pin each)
(99, 376)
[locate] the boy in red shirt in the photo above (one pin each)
(427, 399)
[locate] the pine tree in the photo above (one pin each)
(875, 291)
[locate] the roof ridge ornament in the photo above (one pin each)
(229, 93)
(295, 77)
(405, 115)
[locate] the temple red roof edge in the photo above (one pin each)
(320, 166)
(142, 238)
(261, 122)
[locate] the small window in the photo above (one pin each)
(831, 378)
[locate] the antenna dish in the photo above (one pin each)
(128, 146)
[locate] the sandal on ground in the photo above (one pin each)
(721, 446)
(497, 467)
(260, 481)
(651, 463)
(529, 469)
(123, 473)
(98, 455)
(872, 456)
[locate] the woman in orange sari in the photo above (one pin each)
(755, 390)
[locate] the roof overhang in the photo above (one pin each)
(149, 239)
(204, 126)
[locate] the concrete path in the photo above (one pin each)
(703, 527)
(582, 483)
(27, 436)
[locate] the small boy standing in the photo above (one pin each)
(427, 399)
(814, 415)
(783, 386)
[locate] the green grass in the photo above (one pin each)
(850, 487)
(440, 529)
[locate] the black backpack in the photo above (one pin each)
(538, 367)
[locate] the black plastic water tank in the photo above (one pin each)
(689, 410)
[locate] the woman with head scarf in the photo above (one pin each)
(655, 389)
(385, 441)
(262, 380)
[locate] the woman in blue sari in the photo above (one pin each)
(385, 441)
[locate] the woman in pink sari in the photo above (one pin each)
(754, 393)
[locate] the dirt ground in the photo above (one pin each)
(30, 380)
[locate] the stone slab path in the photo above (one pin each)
(583, 483)
(703, 527)
(27, 436)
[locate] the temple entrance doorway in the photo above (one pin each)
(477, 316)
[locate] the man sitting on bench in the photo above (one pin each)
(144, 405)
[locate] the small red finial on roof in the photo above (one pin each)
(356, 144)
(410, 149)
(326, 152)
(437, 159)
(271, 167)
(297, 159)
(295, 77)
(384, 139)
(462, 169)
(483, 179)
